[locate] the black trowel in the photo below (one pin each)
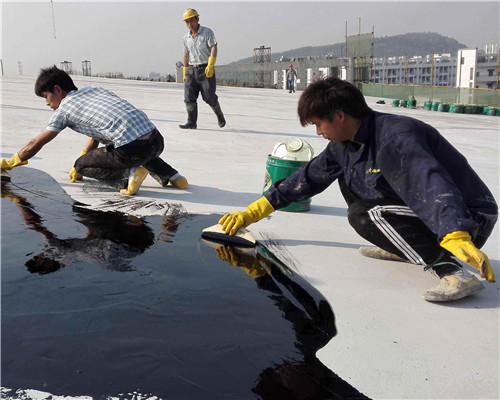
(242, 238)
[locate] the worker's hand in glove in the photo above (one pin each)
(15, 161)
(209, 70)
(184, 69)
(73, 175)
(460, 244)
(255, 212)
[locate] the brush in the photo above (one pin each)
(5, 176)
(241, 238)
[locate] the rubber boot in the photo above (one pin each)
(192, 111)
(220, 116)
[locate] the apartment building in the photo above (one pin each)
(478, 68)
(433, 69)
(472, 68)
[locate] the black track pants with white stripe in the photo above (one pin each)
(394, 227)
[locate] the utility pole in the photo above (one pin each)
(20, 67)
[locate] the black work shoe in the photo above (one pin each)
(188, 125)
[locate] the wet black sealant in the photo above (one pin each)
(103, 304)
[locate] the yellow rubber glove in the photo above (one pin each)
(209, 71)
(460, 244)
(15, 161)
(73, 175)
(184, 69)
(255, 212)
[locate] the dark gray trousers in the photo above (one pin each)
(196, 82)
(112, 165)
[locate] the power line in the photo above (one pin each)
(53, 18)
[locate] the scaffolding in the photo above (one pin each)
(86, 69)
(67, 66)
(360, 48)
(262, 55)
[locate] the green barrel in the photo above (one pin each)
(428, 105)
(479, 109)
(497, 112)
(490, 110)
(278, 168)
(403, 103)
(412, 103)
(395, 103)
(470, 109)
(457, 108)
(443, 107)
(435, 105)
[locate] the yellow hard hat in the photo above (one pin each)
(190, 13)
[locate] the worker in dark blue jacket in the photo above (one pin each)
(409, 191)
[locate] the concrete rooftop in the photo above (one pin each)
(391, 344)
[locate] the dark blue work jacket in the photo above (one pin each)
(404, 159)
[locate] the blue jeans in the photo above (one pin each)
(290, 86)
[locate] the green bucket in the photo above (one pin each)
(443, 107)
(428, 105)
(395, 103)
(490, 111)
(278, 168)
(470, 109)
(435, 105)
(403, 103)
(457, 108)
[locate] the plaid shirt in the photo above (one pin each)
(102, 115)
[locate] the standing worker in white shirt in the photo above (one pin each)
(200, 52)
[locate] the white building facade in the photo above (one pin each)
(478, 68)
(472, 68)
(434, 70)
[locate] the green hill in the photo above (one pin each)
(410, 44)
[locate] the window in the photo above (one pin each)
(491, 72)
(471, 74)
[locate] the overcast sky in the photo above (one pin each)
(136, 38)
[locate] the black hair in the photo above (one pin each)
(323, 98)
(49, 77)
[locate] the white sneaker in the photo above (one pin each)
(452, 287)
(380, 254)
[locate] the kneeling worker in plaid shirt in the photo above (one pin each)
(131, 143)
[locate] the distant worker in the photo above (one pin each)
(408, 190)
(200, 52)
(291, 75)
(131, 143)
